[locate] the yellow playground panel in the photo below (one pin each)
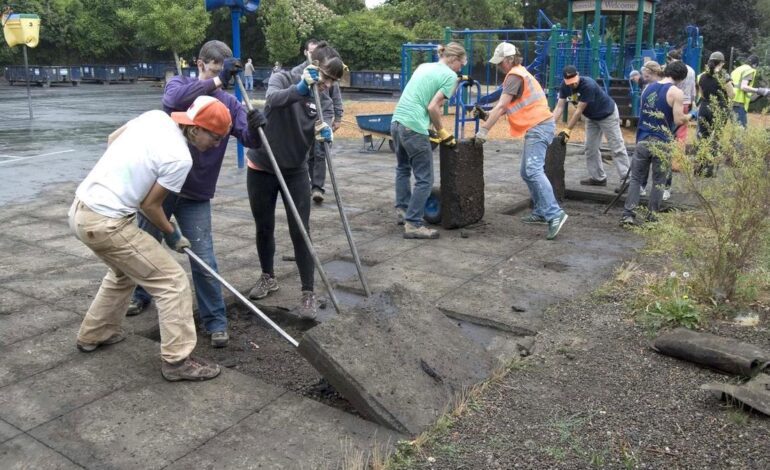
(21, 29)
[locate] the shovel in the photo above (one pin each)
(343, 216)
(240, 297)
(290, 202)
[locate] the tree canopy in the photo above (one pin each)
(112, 31)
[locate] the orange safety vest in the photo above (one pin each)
(532, 106)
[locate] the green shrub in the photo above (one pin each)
(727, 236)
(672, 305)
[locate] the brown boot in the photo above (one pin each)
(192, 368)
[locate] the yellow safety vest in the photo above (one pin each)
(741, 97)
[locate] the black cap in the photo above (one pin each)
(753, 60)
(570, 71)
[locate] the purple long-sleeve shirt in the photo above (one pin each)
(179, 94)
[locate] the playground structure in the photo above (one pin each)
(599, 49)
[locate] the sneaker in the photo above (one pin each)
(318, 196)
(264, 286)
(308, 305)
(192, 368)
(136, 306)
(421, 232)
(627, 220)
(87, 347)
(400, 215)
(666, 194)
(219, 339)
(555, 224)
(533, 219)
(593, 182)
(643, 192)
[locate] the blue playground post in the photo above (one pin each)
(237, 8)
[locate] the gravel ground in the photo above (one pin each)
(594, 395)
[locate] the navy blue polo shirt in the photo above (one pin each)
(600, 105)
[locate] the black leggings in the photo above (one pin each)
(263, 191)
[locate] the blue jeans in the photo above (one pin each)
(413, 155)
(194, 219)
(249, 82)
(536, 142)
(740, 114)
(640, 167)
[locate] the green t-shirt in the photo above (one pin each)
(412, 107)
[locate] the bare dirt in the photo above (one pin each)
(257, 350)
(595, 395)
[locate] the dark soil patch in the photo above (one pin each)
(257, 350)
(596, 396)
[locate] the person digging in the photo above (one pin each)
(525, 106)
(192, 206)
(291, 131)
(146, 159)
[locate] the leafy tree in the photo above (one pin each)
(722, 24)
(101, 34)
(472, 14)
(367, 40)
(281, 33)
(343, 7)
(169, 25)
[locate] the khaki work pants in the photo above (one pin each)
(134, 257)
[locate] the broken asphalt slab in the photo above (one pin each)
(397, 359)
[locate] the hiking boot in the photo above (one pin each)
(219, 339)
(627, 221)
(136, 306)
(666, 194)
(87, 347)
(533, 219)
(308, 305)
(421, 232)
(400, 215)
(192, 368)
(555, 224)
(318, 196)
(593, 182)
(264, 286)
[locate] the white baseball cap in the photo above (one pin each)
(503, 50)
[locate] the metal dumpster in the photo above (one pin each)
(44, 75)
(107, 74)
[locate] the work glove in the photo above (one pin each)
(230, 68)
(763, 91)
(694, 114)
(255, 120)
(175, 240)
(309, 78)
(481, 135)
(563, 136)
(479, 113)
(446, 139)
(323, 133)
(465, 78)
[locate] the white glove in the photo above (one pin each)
(481, 135)
(763, 91)
(310, 75)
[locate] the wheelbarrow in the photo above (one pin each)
(375, 126)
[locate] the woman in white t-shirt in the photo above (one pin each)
(145, 159)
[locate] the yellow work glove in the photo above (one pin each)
(446, 139)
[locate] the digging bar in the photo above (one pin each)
(290, 202)
(343, 216)
(240, 296)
